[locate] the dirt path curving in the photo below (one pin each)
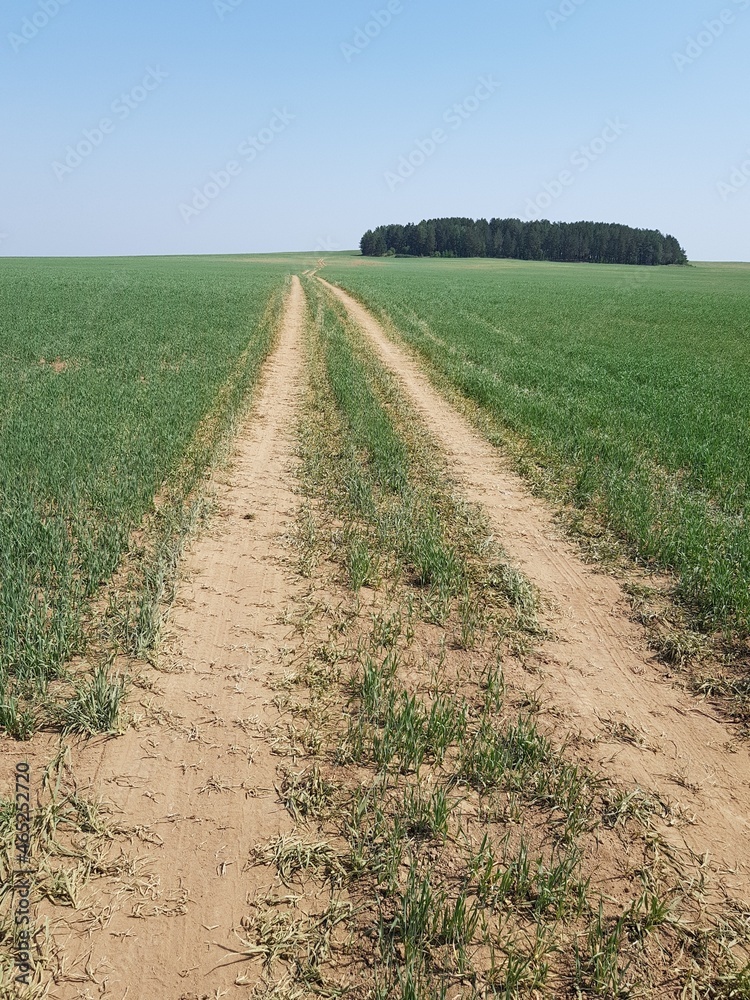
(193, 782)
(597, 674)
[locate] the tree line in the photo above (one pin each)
(578, 242)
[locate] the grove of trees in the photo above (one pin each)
(584, 242)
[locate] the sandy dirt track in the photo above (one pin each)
(597, 671)
(192, 782)
(195, 778)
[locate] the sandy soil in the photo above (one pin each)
(191, 784)
(597, 675)
(194, 779)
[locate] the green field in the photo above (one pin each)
(628, 386)
(108, 368)
(457, 843)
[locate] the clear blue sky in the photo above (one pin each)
(317, 124)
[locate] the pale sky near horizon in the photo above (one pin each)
(230, 126)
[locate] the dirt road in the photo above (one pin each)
(191, 784)
(597, 674)
(194, 779)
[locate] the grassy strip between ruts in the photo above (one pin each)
(400, 519)
(122, 617)
(445, 847)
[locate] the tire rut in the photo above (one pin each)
(597, 672)
(193, 782)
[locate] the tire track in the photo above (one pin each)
(194, 788)
(597, 670)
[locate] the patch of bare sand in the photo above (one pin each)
(597, 675)
(193, 781)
